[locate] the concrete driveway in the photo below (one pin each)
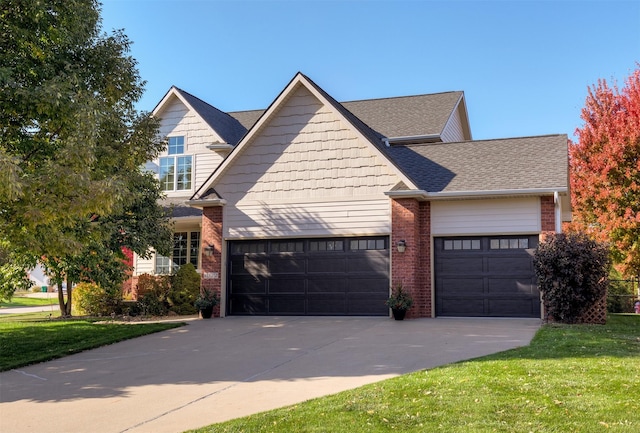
(214, 370)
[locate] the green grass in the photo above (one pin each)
(23, 301)
(30, 338)
(577, 378)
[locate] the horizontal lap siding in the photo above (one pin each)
(176, 120)
(505, 216)
(308, 219)
(453, 130)
(306, 173)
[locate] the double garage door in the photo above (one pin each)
(333, 276)
(486, 276)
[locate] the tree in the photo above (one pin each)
(605, 170)
(71, 141)
(572, 272)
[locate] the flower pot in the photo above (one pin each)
(398, 314)
(206, 313)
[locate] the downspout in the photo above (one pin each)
(558, 211)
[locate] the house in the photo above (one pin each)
(315, 207)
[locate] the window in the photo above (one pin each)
(286, 247)
(367, 244)
(461, 244)
(249, 248)
(186, 249)
(509, 244)
(175, 170)
(326, 245)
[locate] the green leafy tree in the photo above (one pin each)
(605, 170)
(71, 141)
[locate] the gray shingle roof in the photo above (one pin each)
(486, 165)
(389, 117)
(406, 115)
(178, 208)
(228, 127)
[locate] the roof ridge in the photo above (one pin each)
(402, 97)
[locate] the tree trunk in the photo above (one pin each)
(61, 298)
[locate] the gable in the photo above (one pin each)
(306, 172)
(305, 151)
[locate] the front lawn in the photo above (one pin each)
(31, 338)
(24, 301)
(572, 378)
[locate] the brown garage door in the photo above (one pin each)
(486, 276)
(333, 276)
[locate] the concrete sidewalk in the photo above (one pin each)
(214, 370)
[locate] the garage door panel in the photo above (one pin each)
(255, 266)
(326, 304)
(461, 265)
(247, 285)
(373, 305)
(324, 264)
(286, 284)
(514, 307)
(462, 285)
(328, 284)
(286, 305)
(514, 286)
(370, 263)
(486, 276)
(286, 264)
(460, 307)
(367, 285)
(510, 265)
(328, 276)
(248, 304)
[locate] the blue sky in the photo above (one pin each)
(524, 65)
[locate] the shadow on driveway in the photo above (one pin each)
(214, 370)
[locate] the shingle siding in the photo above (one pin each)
(306, 173)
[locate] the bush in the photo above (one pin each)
(572, 275)
(89, 299)
(185, 289)
(153, 294)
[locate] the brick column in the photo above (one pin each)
(212, 235)
(547, 216)
(410, 221)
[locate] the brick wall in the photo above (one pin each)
(411, 223)
(212, 235)
(547, 216)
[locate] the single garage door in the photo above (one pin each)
(486, 276)
(334, 276)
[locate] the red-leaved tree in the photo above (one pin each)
(605, 170)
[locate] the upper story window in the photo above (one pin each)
(175, 170)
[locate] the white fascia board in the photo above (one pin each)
(206, 203)
(174, 92)
(424, 195)
(411, 193)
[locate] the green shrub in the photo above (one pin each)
(89, 299)
(185, 289)
(572, 274)
(153, 293)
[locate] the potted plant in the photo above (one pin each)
(205, 302)
(399, 302)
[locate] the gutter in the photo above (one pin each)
(424, 195)
(417, 139)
